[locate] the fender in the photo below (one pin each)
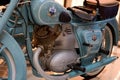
(17, 54)
(114, 28)
(113, 25)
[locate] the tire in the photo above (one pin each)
(12, 57)
(107, 44)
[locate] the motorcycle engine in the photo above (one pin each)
(57, 52)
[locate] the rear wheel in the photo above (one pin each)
(107, 45)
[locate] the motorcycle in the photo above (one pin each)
(59, 43)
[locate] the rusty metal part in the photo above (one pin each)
(45, 36)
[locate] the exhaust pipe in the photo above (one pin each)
(101, 63)
(93, 66)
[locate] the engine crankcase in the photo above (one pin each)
(60, 59)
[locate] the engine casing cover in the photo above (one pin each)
(60, 59)
(46, 11)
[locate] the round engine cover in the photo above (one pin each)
(46, 11)
(60, 59)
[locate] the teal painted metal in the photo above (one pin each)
(18, 56)
(93, 66)
(41, 11)
(79, 28)
(114, 27)
(7, 14)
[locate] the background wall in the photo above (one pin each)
(74, 2)
(77, 2)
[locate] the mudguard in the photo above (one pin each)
(17, 54)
